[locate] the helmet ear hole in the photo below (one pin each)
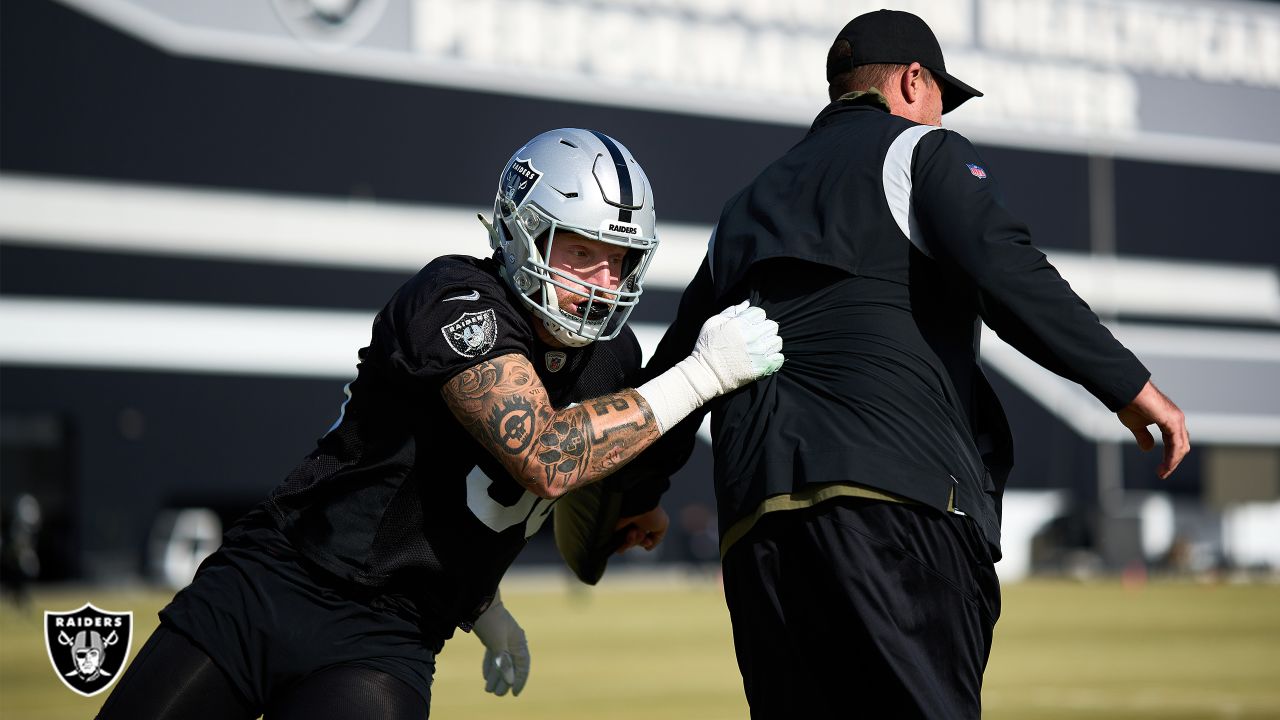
(540, 243)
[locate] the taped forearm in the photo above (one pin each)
(735, 347)
(676, 393)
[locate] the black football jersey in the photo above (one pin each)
(397, 494)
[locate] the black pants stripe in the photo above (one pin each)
(862, 608)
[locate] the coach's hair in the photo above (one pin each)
(862, 77)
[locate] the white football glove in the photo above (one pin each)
(736, 347)
(506, 650)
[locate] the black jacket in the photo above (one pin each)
(877, 244)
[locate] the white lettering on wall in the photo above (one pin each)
(1219, 43)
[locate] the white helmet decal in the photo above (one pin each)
(585, 182)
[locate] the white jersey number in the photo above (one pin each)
(529, 509)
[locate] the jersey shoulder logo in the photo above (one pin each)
(473, 334)
(555, 360)
(88, 647)
(976, 171)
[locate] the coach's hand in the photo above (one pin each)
(735, 347)
(1152, 407)
(506, 650)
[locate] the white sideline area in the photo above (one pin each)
(1251, 534)
(297, 230)
(1025, 513)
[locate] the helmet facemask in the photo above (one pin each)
(600, 311)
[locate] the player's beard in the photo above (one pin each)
(574, 305)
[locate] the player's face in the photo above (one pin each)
(591, 261)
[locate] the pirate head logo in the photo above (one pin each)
(88, 647)
(473, 334)
(518, 181)
(330, 24)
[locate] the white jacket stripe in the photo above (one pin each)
(897, 183)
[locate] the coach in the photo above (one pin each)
(859, 488)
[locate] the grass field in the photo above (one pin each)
(660, 648)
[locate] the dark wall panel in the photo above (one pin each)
(1197, 213)
(78, 98)
(144, 441)
(1048, 191)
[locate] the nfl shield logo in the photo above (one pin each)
(88, 647)
(976, 171)
(555, 360)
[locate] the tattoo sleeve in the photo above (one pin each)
(503, 405)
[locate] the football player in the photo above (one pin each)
(487, 394)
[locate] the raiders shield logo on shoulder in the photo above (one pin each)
(519, 180)
(555, 360)
(473, 334)
(88, 647)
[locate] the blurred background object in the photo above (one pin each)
(202, 205)
(19, 556)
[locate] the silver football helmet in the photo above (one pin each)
(585, 182)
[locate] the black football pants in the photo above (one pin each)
(172, 679)
(862, 608)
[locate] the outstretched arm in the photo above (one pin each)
(1026, 301)
(505, 407)
(550, 451)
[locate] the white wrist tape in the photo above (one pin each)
(735, 347)
(679, 391)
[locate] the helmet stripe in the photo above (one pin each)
(624, 175)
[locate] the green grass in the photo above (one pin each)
(660, 649)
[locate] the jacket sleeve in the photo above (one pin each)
(1021, 295)
(673, 449)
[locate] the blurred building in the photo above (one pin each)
(202, 205)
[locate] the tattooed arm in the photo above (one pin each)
(505, 407)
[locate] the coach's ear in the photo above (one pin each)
(584, 522)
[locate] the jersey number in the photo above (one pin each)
(529, 509)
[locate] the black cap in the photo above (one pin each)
(898, 38)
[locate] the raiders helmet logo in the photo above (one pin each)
(473, 334)
(555, 360)
(330, 24)
(88, 647)
(518, 181)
